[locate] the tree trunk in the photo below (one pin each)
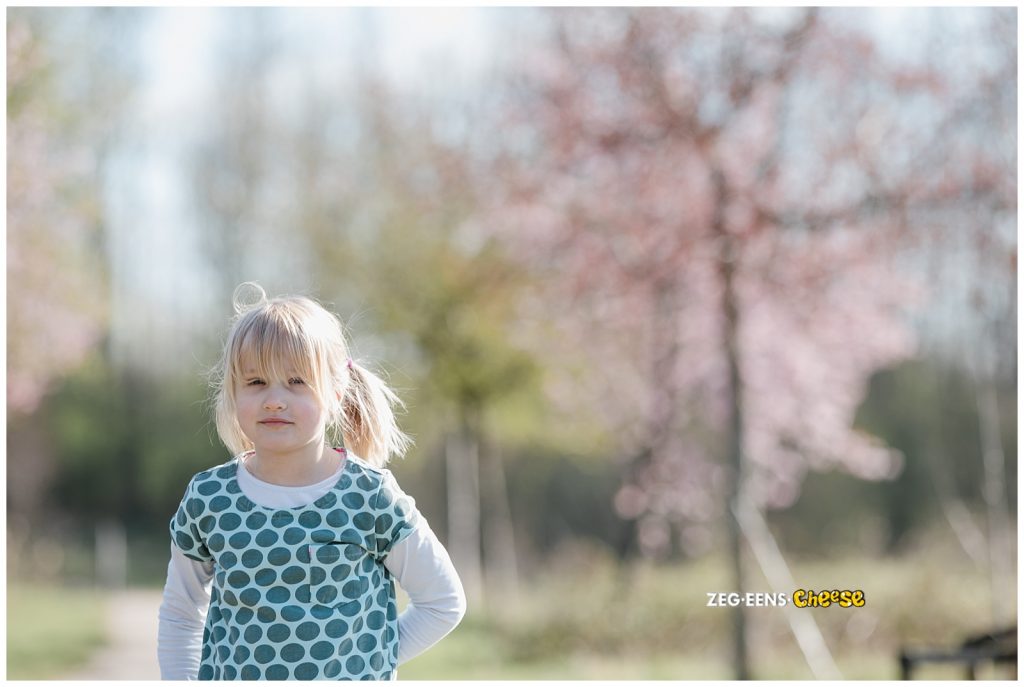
(994, 490)
(499, 546)
(734, 434)
(462, 460)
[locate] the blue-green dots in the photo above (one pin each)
(278, 633)
(282, 518)
(293, 574)
(383, 499)
(277, 672)
(266, 577)
(292, 613)
(366, 643)
(219, 503)
(321, 612)
(353, 589)
(307, 631)
(209, 488)
(238, 579)
(321, 650)
(184, 542)
(230, 521)
(279, 556)
(194, 507)
(279, 594)
(326, 595)
(350, 609)
(252, 558)
(206, 524)
(336, 628)
(267, 538)
(328, 554)
(250, 597)
(294, 535)
(353, 499)
(215, 542)
(264, 654)
(337, 518)
(298, 593)
(239, 540)
(363, 521)
(375, 620)
(293, 653)
(306, 671)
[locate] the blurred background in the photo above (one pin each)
(680, 301)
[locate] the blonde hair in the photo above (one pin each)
(297, 333)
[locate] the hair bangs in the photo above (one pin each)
(271, 345)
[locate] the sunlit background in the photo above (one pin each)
(680, 301)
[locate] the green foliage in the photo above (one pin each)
(50, 630)
(127, 444)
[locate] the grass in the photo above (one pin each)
(50, 630)
(586, 618)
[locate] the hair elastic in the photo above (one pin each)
(349, 363)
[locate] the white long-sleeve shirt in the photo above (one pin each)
(419, 563)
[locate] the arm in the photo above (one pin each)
(422, 567)
(183, 616)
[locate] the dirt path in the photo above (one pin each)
(131, 625)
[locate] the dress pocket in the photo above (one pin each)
(332, 566)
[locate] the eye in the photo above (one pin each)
(254, 382)
(295, 380)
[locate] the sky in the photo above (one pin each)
(412, 46)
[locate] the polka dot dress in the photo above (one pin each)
(298, 593)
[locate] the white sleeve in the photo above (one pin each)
(437, 602)
(183, 616)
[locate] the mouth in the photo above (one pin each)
(274, 423)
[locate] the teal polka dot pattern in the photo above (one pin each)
(298, 593)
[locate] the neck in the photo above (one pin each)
(307, 465)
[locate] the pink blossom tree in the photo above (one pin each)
(716, 204)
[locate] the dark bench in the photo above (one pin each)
(999, 647)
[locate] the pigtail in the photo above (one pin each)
(368, 419)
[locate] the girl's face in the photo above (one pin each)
(278, 415)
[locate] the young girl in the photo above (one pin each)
(283, 559)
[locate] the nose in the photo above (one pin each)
(274, 401)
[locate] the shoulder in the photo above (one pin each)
(210, 481)
(367, 476)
